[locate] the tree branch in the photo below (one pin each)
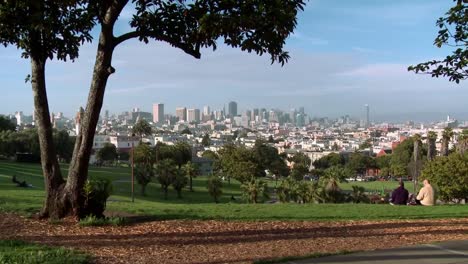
(195, 52)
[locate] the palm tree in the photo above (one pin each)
(191, 170)
(431, 145)
(142, 128)
(462, 144)
(446, 136)
(416, 156)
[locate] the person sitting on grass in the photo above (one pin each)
(426, 194)
(399, 195)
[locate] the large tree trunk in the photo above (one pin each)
(64, 199)
(78, 172)
(55, 205)
(431, 150)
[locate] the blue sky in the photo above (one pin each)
(344, 54)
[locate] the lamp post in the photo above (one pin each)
(133, 174)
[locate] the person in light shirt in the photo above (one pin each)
(426, 194)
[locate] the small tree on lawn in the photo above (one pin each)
(179, 182)
(214, 186)
(107, 153)
(166, 171)
(191, 170)
(144, 170)
(144, 173)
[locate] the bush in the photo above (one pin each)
(92, 220)
(287, 191)
(449, 175)
(214, 186)
(96, 191)
(307, 191)
(255, 191)
(331, 192)
(358, 195)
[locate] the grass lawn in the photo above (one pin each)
(12, 251)
(199, 205)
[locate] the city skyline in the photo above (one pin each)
(334, 69)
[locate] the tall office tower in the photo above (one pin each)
(106, 115)
(206, 110)
(181, 113)
(218, 114)
(248, 114)
(367, 116)
(232, 109)
(193, 115)
(255, 113)
(302, 110)
(273, 116)
(19, 118)
(158, 113)
(136, 109)
(292, 116)
(265, 114)
(300, 120)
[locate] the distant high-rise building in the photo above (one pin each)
(218, 114)
(158, 113)
(273, 116)
(19, 118)
(206, 110)
(232, 109)
(136, 109)
(193, 115)
(302, 110)
(300, 120)
(255, 113)
(106, 115)
(248, 114)
(292, 116)
(181, 113)
(367, 116)
(265, 114)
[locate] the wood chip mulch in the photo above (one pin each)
(216, 242)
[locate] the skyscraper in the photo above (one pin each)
(206, 110)
(232, 109)
(158, 113)
(367, 116)
(255, 113)
(181, 113)
(193, 115)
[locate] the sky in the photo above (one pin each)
(344, 54)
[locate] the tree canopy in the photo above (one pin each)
(453, 32)
(142, 128)
(449, 175)
(6, 124)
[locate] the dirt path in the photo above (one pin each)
(213, 242)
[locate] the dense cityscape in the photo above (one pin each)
(289, 131)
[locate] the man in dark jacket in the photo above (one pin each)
(400, 195)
